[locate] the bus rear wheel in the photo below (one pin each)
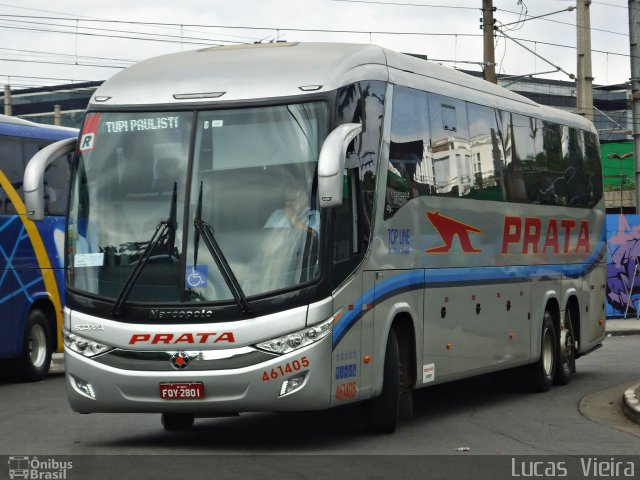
(540, 375)
(385, 409)
(37, 348)
(566, 366)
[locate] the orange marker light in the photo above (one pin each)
(366, 359)
(449, 346)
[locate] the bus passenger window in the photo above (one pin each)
(409, 175)
(450, 151)
(593, 169)
(489, 175)
(12, 167)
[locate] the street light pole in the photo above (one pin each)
(584, 76)
(634, 15)
(7, 100)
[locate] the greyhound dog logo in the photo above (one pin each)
(448, 228)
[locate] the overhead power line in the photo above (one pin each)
(70, 55)
(76, 64)
(74, 26)
(558, 68)
(626, 7)
(41, 78)
(93, 31)
(232, 27)
(526, 17)
(407, 4)
(573, 47)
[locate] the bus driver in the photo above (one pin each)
(296, 213)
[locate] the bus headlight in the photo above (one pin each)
(83, 346)
(301, 338)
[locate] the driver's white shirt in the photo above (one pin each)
(308, 217)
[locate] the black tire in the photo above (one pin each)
(385, 409)
(177, 422)
(540, 375)
(566, 365)
(37, 346)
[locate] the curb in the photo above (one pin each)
(621, 333)
(631, 404)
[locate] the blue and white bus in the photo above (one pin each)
(31, 256)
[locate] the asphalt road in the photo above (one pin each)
(458, 426)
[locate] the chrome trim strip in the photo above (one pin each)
(160, 361)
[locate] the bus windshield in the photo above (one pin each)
(245, 186)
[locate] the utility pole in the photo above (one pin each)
(57, 115)
(584, 77)
(489, 52)
(634, 15)
(7, 99)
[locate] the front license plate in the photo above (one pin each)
(182, 391)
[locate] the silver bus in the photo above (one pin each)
(296, 226)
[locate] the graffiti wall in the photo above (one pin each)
(623, 269)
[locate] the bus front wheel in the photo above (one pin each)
(37, 347)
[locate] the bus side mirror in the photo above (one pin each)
(33, 182)
(331, 163)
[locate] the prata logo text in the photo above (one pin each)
(189, 338)
(524, 235)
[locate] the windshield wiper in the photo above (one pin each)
(165, 230)
(204, 230)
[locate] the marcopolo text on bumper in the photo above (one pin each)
(180, 314)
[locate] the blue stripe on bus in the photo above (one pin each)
(47, 133)
(403, 282)
(418, 279)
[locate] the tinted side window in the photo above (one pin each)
(593, 169)
(409, 172)
(345, 254)
(572, 173)
(56, 185)
(522, 140)
(12, 165)
(487, 154)
(571, 185)
(550, 167)
(450, 149)
(363, 103)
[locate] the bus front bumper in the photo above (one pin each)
(94, 385)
